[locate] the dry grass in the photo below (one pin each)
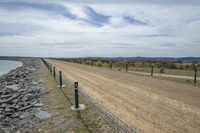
(63, 119)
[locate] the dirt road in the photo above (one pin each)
(152, 105)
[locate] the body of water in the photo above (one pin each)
(6, 66)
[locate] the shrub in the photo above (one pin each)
(162, 70)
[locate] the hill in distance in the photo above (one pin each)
(183, 59)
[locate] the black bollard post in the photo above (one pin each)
(76, 95)
(152, 71)
(54, 72)
(111, 65)
(195, 76)
(60, 75)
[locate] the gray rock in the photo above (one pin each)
(27, 72)
(15, 101)
(1, 116)
(7, 119)
(13, 86)
(24, 99)
(42, 115)
(15, 115)
(4, 130)
(40, 81)
(8, 109)
(6, 96)
(29, 96)
(20, 103)
(10, 83)
(3, 105)
(24, 124)
(8, 113)
(24, 115)
(15, 121)
(30, 68)
(17, 107)
(38, 105)
(34, 82)
(21, 80)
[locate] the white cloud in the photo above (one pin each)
(47, 34)
(76, 9)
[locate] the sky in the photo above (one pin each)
(106, 28)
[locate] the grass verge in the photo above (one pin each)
(58, 102)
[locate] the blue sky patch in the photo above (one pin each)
(132, 20)
(95, 18)
(52, 8)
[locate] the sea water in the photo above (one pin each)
(6, 66)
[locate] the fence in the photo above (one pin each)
(168, 72)
(114, 122)
(192, 75)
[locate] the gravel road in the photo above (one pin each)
(150, 104)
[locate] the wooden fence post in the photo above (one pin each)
(126, 67)
(61, 85)
(195, 75)
(51, 69)
(111, 65)
(152, 71)
(60, 75)
(54, 72)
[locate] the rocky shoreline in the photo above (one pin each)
(20, 97)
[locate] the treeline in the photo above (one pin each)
(124, 63)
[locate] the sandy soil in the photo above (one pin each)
(150, 104)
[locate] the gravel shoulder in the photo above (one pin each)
(151, 104)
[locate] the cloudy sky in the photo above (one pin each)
(59, 28)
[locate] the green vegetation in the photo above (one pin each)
(177, 68)
(178, 65)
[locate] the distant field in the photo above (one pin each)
(150, 104)
(166, 71)
(183, 76)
